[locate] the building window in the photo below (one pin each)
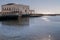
(25, 10)
(9, 8)
(4, 8)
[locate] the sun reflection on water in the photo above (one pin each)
(45, 18)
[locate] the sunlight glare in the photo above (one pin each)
(45, 19)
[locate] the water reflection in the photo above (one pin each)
(52, 18)
(20, 21)
(45, 18)
(40, 28)
(14, 28)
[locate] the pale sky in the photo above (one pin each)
(40, 6)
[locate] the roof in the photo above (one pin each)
(14, 4)
(10, 4)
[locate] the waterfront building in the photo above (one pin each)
(12, 8)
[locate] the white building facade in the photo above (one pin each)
(15, 8)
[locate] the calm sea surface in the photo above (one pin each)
(33, 28)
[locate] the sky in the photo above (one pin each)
(40, 6)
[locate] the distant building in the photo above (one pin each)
(31, 11)
(15, 8)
